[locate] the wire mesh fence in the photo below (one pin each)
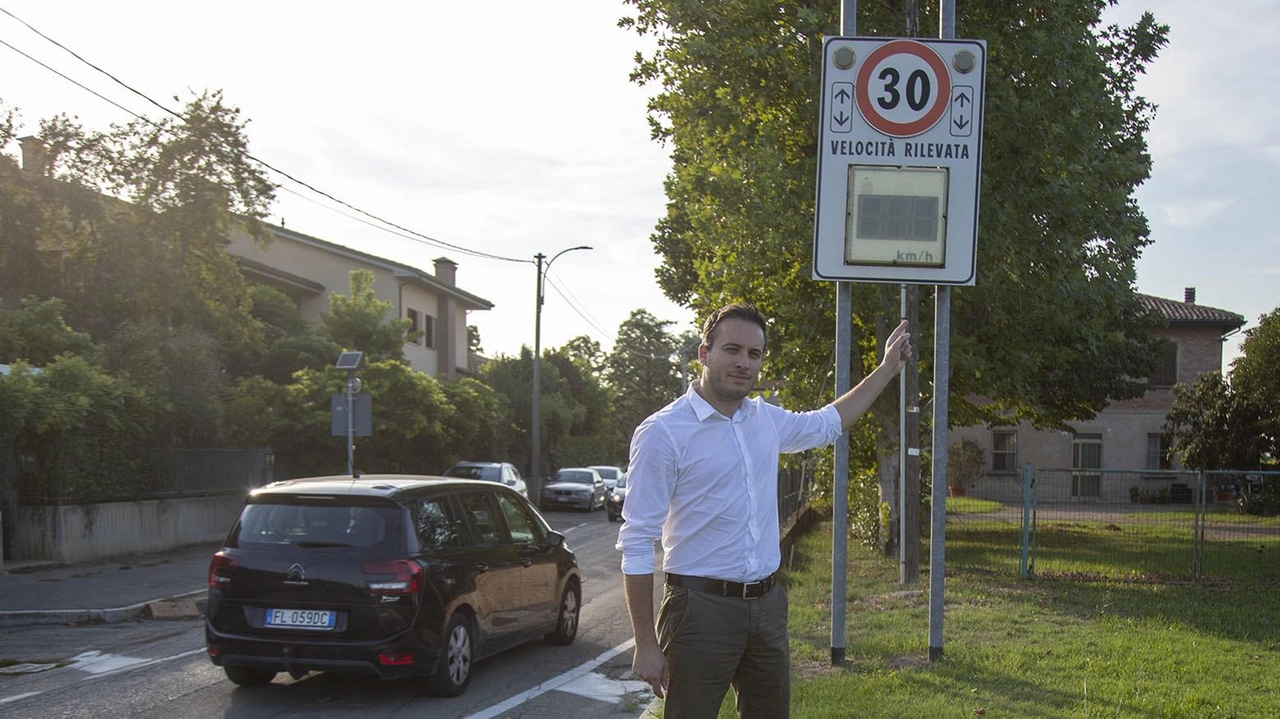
(1125, 525)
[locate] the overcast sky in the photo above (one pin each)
(510, 127)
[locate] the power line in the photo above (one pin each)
(278, 171)
(399, 230)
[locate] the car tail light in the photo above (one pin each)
(395, 660)
(214, 649)
(220, 561)
(406, 576)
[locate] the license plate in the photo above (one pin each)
(301, 618)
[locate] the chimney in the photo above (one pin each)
(33, 155)
(446, 271)
(1190, 296)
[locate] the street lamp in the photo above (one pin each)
(534, 475)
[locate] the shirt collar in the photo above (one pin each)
(703, 410)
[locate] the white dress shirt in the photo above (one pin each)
(707, 485)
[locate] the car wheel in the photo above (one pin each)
(567, 618)
(453, 674)
(249, 677)
(613, 517)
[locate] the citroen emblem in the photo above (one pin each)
(297, 576)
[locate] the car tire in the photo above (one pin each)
(249, 676)
(613, 517)
(567, 617)
(457, 656)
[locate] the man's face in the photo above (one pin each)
(731, 365)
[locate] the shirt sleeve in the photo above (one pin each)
(798, 431)
(651, 475)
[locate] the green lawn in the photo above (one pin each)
(1052, 647)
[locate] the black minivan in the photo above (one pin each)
(389, 575)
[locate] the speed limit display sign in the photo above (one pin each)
(899, 160)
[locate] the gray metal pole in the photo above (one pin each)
(938, 538)
(902, 454)
(351, 424)
(535, 423)
(840, 488)
(941, 388)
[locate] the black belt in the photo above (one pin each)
(750, 590)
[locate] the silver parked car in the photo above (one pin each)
(610, 474)
(578, 487)
(503, 472)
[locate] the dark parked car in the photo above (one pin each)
(387, 575)
(578, 487)
(504, 472)
(617, 498)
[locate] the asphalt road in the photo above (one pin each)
(157, 668)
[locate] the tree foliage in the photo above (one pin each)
(1213, 426)
(1255, 376)
(643, 372)
(37, 333)
(185, 184)
(360, 321)
(1052, 331)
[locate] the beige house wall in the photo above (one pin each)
(1124, 426)
(310, 271)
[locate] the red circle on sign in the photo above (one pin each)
(940, 100)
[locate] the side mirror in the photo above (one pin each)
(554, 539)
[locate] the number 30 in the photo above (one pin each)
(918, 89)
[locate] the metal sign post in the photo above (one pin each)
(899, 164)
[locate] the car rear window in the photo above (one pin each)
(575, 477)
(311, 525)
(490, 473)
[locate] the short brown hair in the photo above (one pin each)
(737, 310)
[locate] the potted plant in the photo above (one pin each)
(965, 462)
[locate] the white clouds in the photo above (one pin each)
(1195, 212)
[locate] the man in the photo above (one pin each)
(703, 479)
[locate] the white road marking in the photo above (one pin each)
(559, 682)
(598, 686)
(99, 663)
(109, 671)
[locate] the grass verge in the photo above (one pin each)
(1044, 648)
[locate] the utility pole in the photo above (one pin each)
(534, 481)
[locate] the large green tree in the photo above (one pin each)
(1052, 330)
(361, 321)
(644, 373)
(1213, 426)
(139, 217)
(1255, 376)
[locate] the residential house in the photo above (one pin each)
(1127, 435)
(309, 269)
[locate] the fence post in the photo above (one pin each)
(1026, 518)
(1197, 529)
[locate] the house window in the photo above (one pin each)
(1004, 450)
(1166, 374)
(1086, 461)
(415, 322)
(1158, 452)
(429, 331)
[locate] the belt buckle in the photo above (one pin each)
(747, 587)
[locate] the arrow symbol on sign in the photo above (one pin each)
(962, 99)
(843, 95)
(961, 123)
(841, 119)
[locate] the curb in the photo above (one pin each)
(181, 606)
